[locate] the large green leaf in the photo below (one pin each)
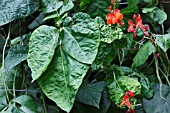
(82, 38)
(90, 94)
(16, 55)
(22, 104)
(42, 46)
(132, 3)
(147, 49)
(95, 7)
(61, 80)
(157, 104)
(163, 42)
(14, 9)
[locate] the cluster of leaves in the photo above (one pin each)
(70, 56)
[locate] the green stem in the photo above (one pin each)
(45, 109)
(3, 62)
(157, 73)
(166, 77)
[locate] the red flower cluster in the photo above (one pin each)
(138, 23)
(114, 17)
(128, 94)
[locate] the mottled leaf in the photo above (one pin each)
(16, 55)
(117, 88)
(42, 46)
(147, 49)
(14, 9)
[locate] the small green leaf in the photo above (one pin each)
(60, 82)
(90, 94)
(148, 10)
(42, 45)
(67, 5)
(156, 14)
(16, 55)
(160, 16)
(157, 104)
(147, 49)
(14, 9)
(163, 42)
(132, 3)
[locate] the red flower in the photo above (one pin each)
(114, 17)
(126, 99)
(138, 23)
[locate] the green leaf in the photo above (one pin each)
(55, 6)
(66, 75)
(16, 55)
(90, 94)
(128, 11)
(12, 9)
(157, 104)
(42, 46)
(146, 90)
(156, 14)
(128, 83)
(106, 54)
(148, 10)
(8, 77)
(149, 1)
(117, 88)
(49, 6)
(68, 4)
(109, 35)
(160, 16)
(163, 42)
(132, 3)
(95, 7)
(147, 49)
(82, 39)
(25, 105)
